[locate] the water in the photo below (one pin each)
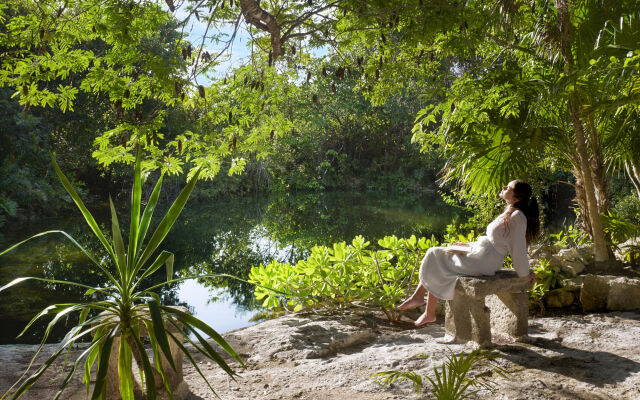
(210, 238)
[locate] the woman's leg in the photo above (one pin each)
(416, 299)
(429, 314)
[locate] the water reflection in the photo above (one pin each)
(212, 238)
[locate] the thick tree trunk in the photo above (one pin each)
(599, 243)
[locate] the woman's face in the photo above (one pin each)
(507, 193)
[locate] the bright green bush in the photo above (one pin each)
(344, 275)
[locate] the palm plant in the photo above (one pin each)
(125, 306)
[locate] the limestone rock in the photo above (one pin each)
(559, 298)
(586, 253)
(541, 251)
(573, 284)
(625, 247)
(570, 254)
(594, 292)
(572, 267)
(624, 294)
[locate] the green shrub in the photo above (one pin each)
(344, 275)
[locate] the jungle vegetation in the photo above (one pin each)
(377, 95)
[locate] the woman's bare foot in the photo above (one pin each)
(425, 319)
(411, 302)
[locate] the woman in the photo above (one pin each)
(510, 233)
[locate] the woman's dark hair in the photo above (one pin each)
(528, 204)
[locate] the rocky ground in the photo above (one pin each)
(594, 356)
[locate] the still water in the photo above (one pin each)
(210, 238)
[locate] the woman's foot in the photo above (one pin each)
(425, 319)
(411, 302)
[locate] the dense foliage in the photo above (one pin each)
(344, 276)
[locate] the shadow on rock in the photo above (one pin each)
(598, 368)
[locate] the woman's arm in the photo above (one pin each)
(518, 243)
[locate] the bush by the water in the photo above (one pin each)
(344, 275)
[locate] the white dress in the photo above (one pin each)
(440, 268)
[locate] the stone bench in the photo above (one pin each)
(483, 304)
(175, 378)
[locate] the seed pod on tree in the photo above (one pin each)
(271, 135)
(293, 50)
(314, 98)
(127, 93)
(308, 76)
(377, 74)
(340, 72)
(184, 54)
(383, 38)
(123, 141)
(235, 141)
(179, 146)
(324, 71)
(201, 91)
(333, 87)
(171, 6)
(270, 57)
(230, 117)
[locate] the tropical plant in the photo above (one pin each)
(344, 276)
(572, 237)
(125, 305)
(452, 380)
(548, 278)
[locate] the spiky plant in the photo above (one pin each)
(126, 305)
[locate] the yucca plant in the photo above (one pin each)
(124, 305)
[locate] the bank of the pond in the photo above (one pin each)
(595, 356)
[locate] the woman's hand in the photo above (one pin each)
(532, 277)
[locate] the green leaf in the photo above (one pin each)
(103, 365)
(85, 212)
(164, 258)
(118, 243)
(159, 329)
(149, 380)
(148, 212)
(168, 221)
(189, 320)
(136, 199)
(125, 373)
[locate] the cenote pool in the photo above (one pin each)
(209, 238)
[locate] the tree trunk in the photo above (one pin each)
(597, 233)
(598, 169)
(599, 243)
(633, 171)
(263, 20)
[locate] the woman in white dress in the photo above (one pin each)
(510, 233)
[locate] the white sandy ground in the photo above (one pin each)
(594, 356)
